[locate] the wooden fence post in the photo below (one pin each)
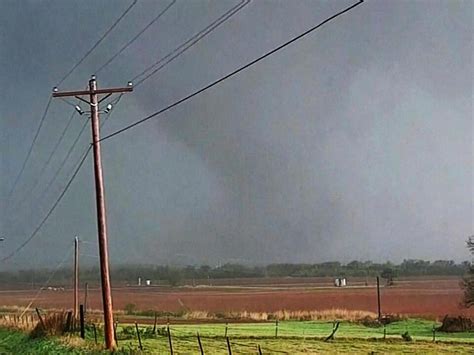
(228, 346)
(200, 345)
(259, 350)
(138, 336)
(81, 320)
(115, 332)
(40, 318)
(226, 325)
(67, 328)
(95, 332)
(169, 339)
(276, 328)
(154, 324)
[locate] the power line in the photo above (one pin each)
(294, 39)
(58, 142)
(71, 148)
(51, 210)
(60, 82)
(174, 54)
(76, 170)
(201, 34)
(69, 102)
(28, 155)
(194, 39)
(90, 255)
(58, 266)
(45, 165)
(114, 103)
(111, 59)
(98, 42)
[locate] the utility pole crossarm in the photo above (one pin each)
(89, 92)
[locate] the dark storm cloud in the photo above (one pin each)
(354, 143)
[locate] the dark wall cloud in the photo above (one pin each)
(353, 143)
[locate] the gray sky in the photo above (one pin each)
(353, 143)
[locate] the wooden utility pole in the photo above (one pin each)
(86, 291)
(378, 299)
(94, 99)
(76, 278)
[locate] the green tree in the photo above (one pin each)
(387, 274)
(174, 276)
(468, 282)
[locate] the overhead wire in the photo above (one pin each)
(231, 74)
(82, 241)
(17, 179)
(68, 102)
(129, 43)
(28, 155)
(51, 210)
(96, 44)
(58, 266)
(75, 171)
(216, 82)
(170, 56)
(63, 162)
(90, 255)
(68, 154)
(189, 43)
(71, 148)
(46, 164)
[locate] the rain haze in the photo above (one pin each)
(353, 143)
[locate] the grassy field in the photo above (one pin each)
(308, 346)
(293, 338)
(299, 338)
(15, 342)
(418, 329)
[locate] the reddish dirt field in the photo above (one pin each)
(424, 297)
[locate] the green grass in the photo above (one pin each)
(294, 337)
(418, 329)
(298, 346)
(14, 342)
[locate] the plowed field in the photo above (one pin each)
(426, 297)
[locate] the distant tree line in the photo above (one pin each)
(175, 275)
(468, 281)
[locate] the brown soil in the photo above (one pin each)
(422, 297)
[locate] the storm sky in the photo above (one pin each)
(352, 143)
